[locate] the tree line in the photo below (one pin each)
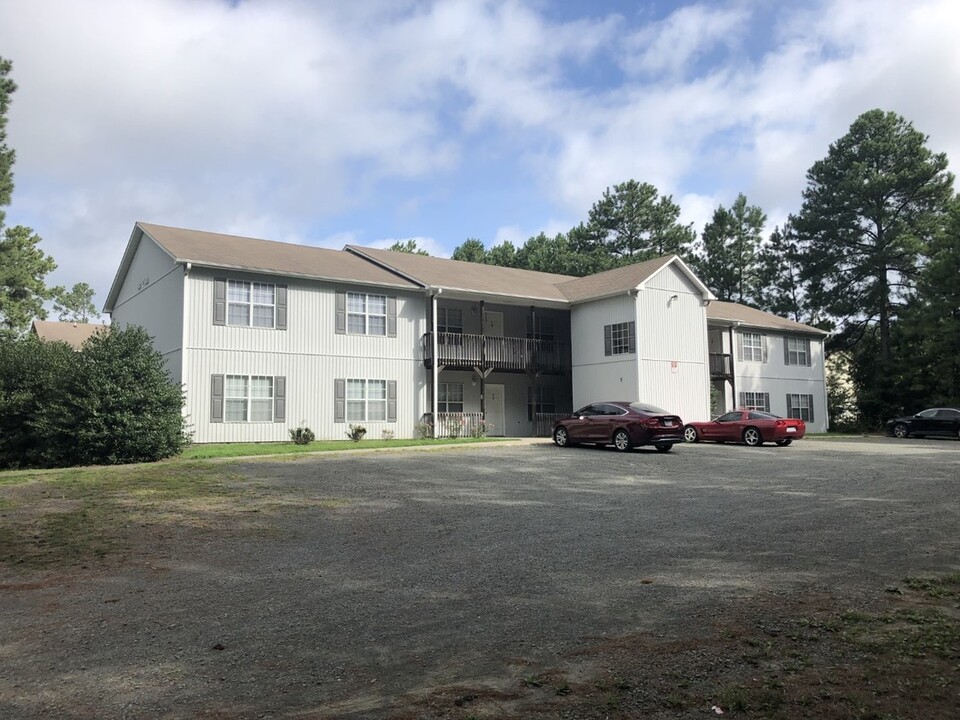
(872, 255)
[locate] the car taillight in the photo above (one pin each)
(781, 423)
(650, 422)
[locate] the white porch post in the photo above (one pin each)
(435, 369)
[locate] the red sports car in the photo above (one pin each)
(624, 425)
(751, 427)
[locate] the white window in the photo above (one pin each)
(251, 303)
(450, 397)
(450, 320)
(752, 346)
(248, 398)
(366, 400)
(755, 401)
(800, 407)
(798, 351)
(618, 338)
(366, 314)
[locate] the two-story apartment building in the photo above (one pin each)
(267, 336)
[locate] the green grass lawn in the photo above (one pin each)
(228, 450)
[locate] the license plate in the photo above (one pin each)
(668, 423)
(791, 429)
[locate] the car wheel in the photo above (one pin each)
(690, 434)
(664, 447)
(560, 437)
(622, 441)
(752, 437)
(900, 430)
(784, 442)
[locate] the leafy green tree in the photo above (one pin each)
(629, 224)
(472, 250)
(75, 304)
(552, 255)
(869, 210)
(23, 267)
(729, 264)
(504, 255)
(407, 246)
(7, 156)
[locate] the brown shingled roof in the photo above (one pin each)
(622, 279)
(232, 251)
(729, 313)
(468, 276)
(75, 334)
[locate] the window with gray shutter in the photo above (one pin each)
(608, 339)
(219, 301)
(281, 307)
(341, 325)
(340, 400)
(391, 401)
(216, 398)
(279, 399)
(391, 317)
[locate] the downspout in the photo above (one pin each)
(635, 293)
(483, 362)
(534, 357)
(435, 365)
(185, 321)
(733, 369)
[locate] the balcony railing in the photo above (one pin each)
(721, 366)
(543, 426)
(511, 354)
(462, 424)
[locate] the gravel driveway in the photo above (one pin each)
(393, 573)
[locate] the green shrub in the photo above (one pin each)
(110, 403)
(356, 432)
(302, 435)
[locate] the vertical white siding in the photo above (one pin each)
(309, 353)
(597, 376)
(779, 379)
(152, 297)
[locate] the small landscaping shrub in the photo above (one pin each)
(356, 432)
(388, 434)
(481, 429)
(423, 430)
(302, 435)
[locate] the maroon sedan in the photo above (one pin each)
(622, 424)
(751, 427)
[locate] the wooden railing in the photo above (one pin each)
(464, 424)
(543, 423)
(459, 350)
(721, 366)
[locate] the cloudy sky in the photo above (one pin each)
(331, 122)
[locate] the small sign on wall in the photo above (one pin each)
(674, 366)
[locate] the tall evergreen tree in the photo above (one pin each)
(504, 255)
(407, 246)
(869, 210)
(472, 250)
(780, 287)
(629, 224)
(731, 242)
(7, 156)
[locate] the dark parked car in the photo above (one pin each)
(622, 424)
(748, 426)
(935, 421)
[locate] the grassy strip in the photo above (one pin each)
(227, 450)
(73, 516)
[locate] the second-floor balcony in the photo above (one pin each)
(721, 366)
(460, 351)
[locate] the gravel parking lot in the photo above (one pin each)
(387, 574)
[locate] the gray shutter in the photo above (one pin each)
(786, 350)
(763, 342)
(281, 307)
(341, 313)
(339, 400)
(391, 317)
(219, 301)
(608, 339)
(789, 406)
(810, 403)
(632, 332)
(766, 402)
(216, 398)
(739, 347)
(391, 400)
(743, 399)
(809, 358)
(279, 399)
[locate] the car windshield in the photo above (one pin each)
(648, 409)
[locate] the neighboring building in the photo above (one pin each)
(75, 334)
(267, 336)
(765, 362)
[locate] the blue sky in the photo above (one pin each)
(327, 122)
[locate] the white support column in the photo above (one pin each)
(435, 369)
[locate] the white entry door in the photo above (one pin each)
(493, 405)
(493, 323)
